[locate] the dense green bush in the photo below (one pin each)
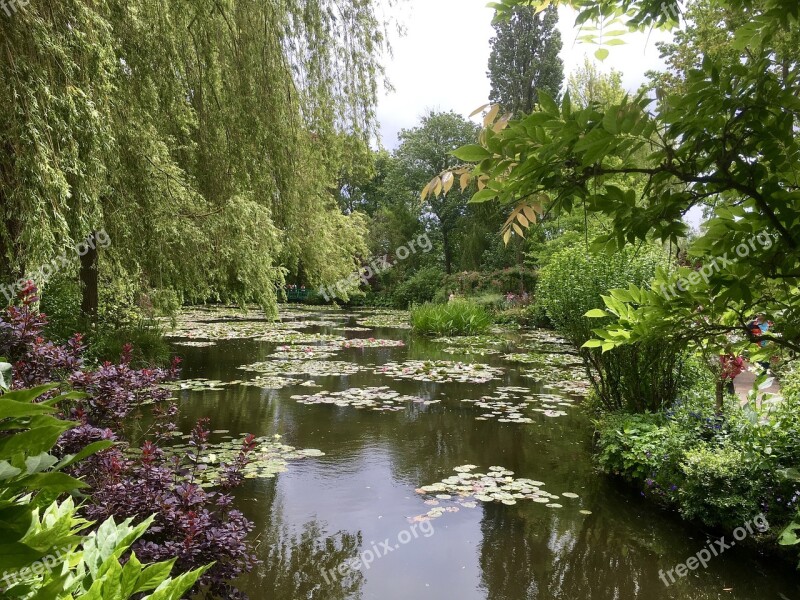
(459, 317)
(721, 471)
(721, 485)
(638, 377)
(419, 288)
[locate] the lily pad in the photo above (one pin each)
(374, 398)
(320, 368)
(395, 319)
(440, 371)
(269, 458)
(467, 487)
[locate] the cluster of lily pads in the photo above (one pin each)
(276, 382)
(196, 343)
(309, 368)
(496, 485)
(370, 343)
(292, 352)
(200, 384)
(393, 319)
(501, 407)
(374, 398)
(570, 380)
(440, 371)
(290, 336)
(542, 358)
(476, 345)
(269, 457)
(508, 405)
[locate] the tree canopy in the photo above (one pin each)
(204, 139)
(524, 59)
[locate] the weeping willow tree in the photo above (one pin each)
(205, 137)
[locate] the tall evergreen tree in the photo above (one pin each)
(525, 59)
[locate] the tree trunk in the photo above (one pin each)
(90, 300)
(720, 395)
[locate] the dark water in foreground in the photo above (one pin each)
(325, 510)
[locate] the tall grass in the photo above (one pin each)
(459, 317)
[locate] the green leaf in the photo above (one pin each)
(92, 448)
(471, 153)
(483, 196)
(10, 408)
(547, 103)
(601, 54)
(789, 535)
(596, 313)
(29, 395)
(152, 576)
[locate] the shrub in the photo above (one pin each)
(721, 486)
(459, 317)
(718, 470)
(421, 287)
(45, 532)
(194, 525)
(637, 377)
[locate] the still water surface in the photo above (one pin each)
(326, 510)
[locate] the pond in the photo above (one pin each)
(443, 481)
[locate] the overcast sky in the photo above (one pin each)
(441, 61)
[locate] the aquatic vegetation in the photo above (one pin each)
(195, 344)
(394, 319)
(550, 374)
(268, 457)
(496, 485)
(504, 412)
(375, 398)
(305, 352)
(304, 367)
(541, 358)
(499, 406)
(290, 336)
(371, 343)
(471, 350)
(507, 404)
(200, 384)
(576, 388)
(458, 317)
(274, 382)
(440, 371)
(472, 340)
(205, 327)
(476, 345)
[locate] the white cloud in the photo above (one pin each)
(441, 63)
